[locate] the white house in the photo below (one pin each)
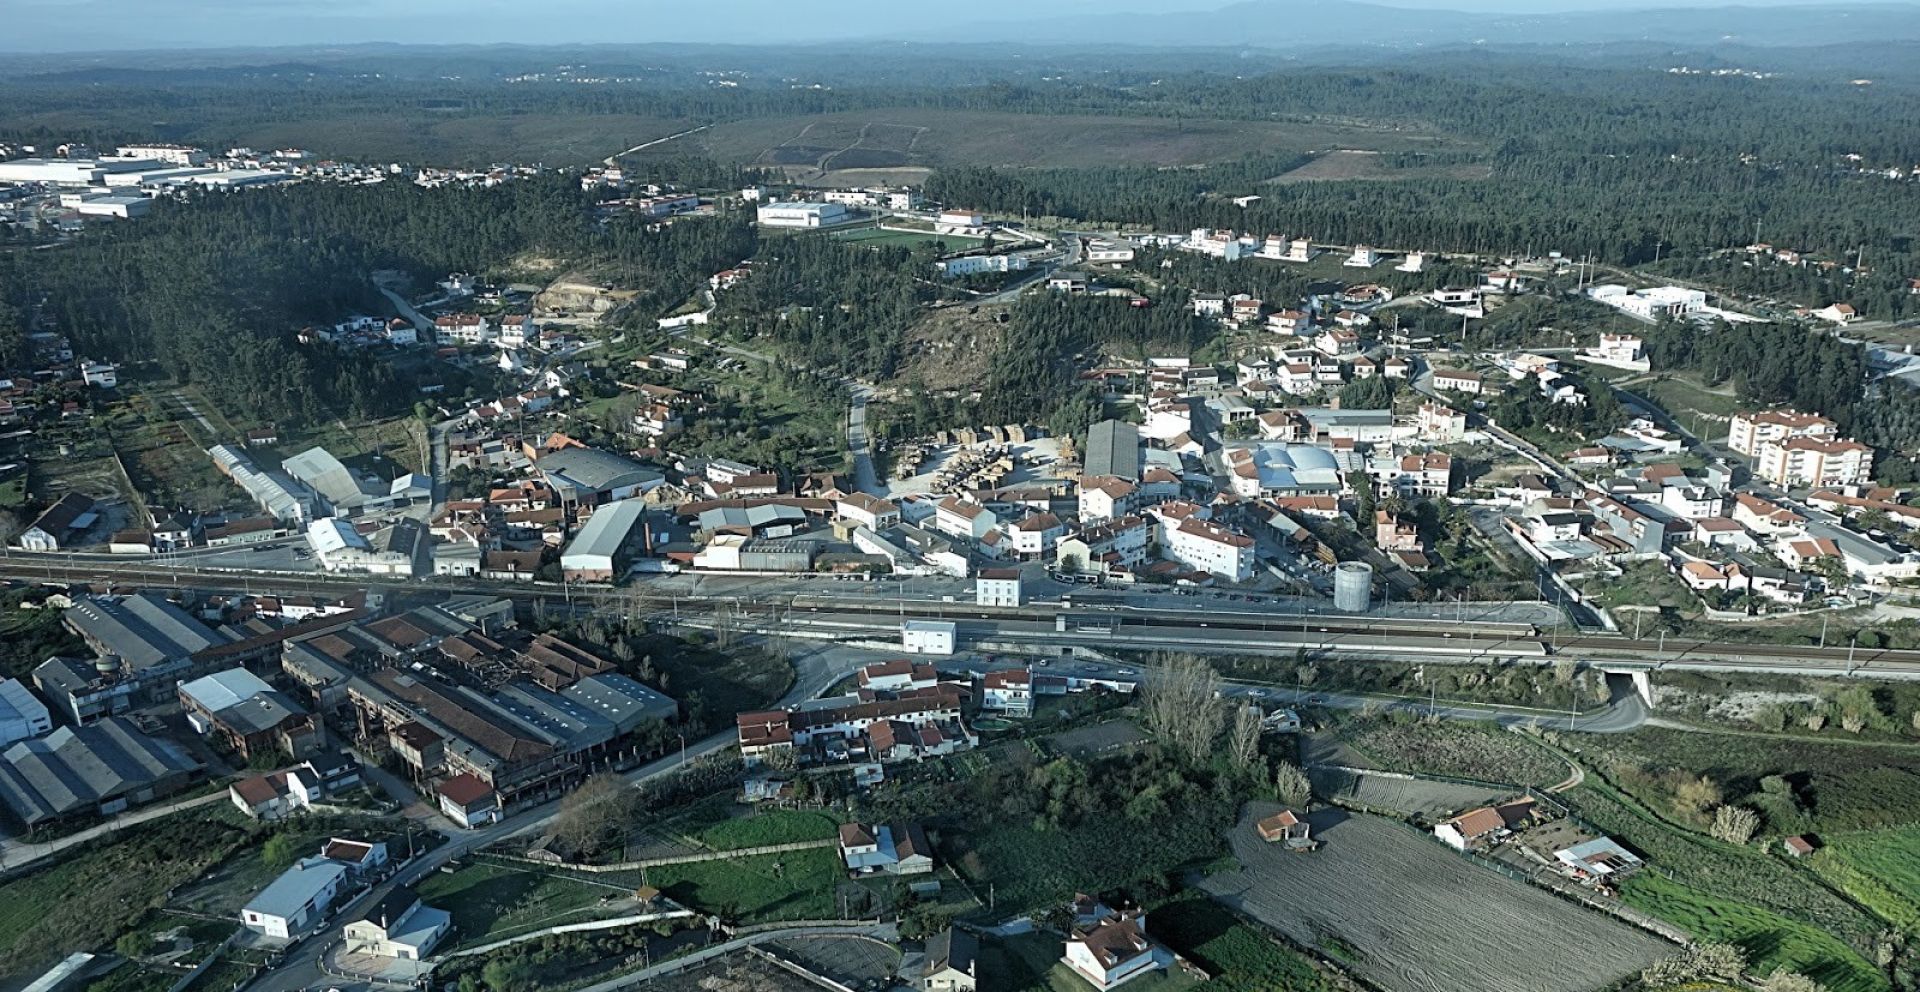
(1008, 691)
(867, 510)
(296, 900)
(997, 587)
(885, 848)
(1363, 257)
(1104, 498)
(398, 926)
(1838, 313)
(951, 962)
(963, 519)
(1458, 380)
(1208, 547)
(1113, 951)
(927, 637)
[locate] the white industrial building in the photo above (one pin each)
(1651, 304)
(285, 500)
(399, 549)
(171, 154)
(800, 214)
(927, 637)
(22, 714)
(966, 265)
(70, 171)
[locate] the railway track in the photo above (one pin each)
(1472, 638)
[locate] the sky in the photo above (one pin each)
(96, 25)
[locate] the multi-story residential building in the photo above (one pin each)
(1812, 461)
(1205, 546)
(1749, 431)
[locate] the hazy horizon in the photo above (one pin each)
(82, 26)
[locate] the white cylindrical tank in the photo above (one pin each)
(1353, 587)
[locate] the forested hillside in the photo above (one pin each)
(214, 289)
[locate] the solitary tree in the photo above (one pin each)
(1182, 709)
(1243, 743)
(591, 814)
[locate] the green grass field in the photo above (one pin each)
(768, 828)
(1239, 957)
(1770, 940)
(491, 901)
(796, 885)
(1880, 871)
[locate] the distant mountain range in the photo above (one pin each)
(1311, 30)
(1278, 24)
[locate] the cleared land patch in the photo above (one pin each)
(1349, 163)
(1404, 913)
(909, 137)
(1412, 797)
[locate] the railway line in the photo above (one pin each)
(1094, 625)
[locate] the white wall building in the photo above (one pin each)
(801, 214)
(1651, 304)
(927, 637)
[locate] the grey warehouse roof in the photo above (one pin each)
(594, 470)
(143, 630)
(74, 769)
(1113, 448)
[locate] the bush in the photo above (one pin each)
(1735, 824)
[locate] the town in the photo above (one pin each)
(688, 569)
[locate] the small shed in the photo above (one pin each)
(1286, 827)
(1800, 846)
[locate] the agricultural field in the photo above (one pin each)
(1706, 412)
(1238, 956)
(1403, 912)
(1880, 871)
(1030, 866)
(1461, 750)
(1770, 940)
(437, 135)
(1840, 786)
(1408, 797)
(1718, 891)
(905, 138)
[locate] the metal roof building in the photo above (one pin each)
(103, 767)
(142, 630)
(282, 498)
(584, 471)
(1113, 448)
(319, 470)
(604, 538)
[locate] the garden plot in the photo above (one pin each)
(1404, 913)
(1409, 796)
